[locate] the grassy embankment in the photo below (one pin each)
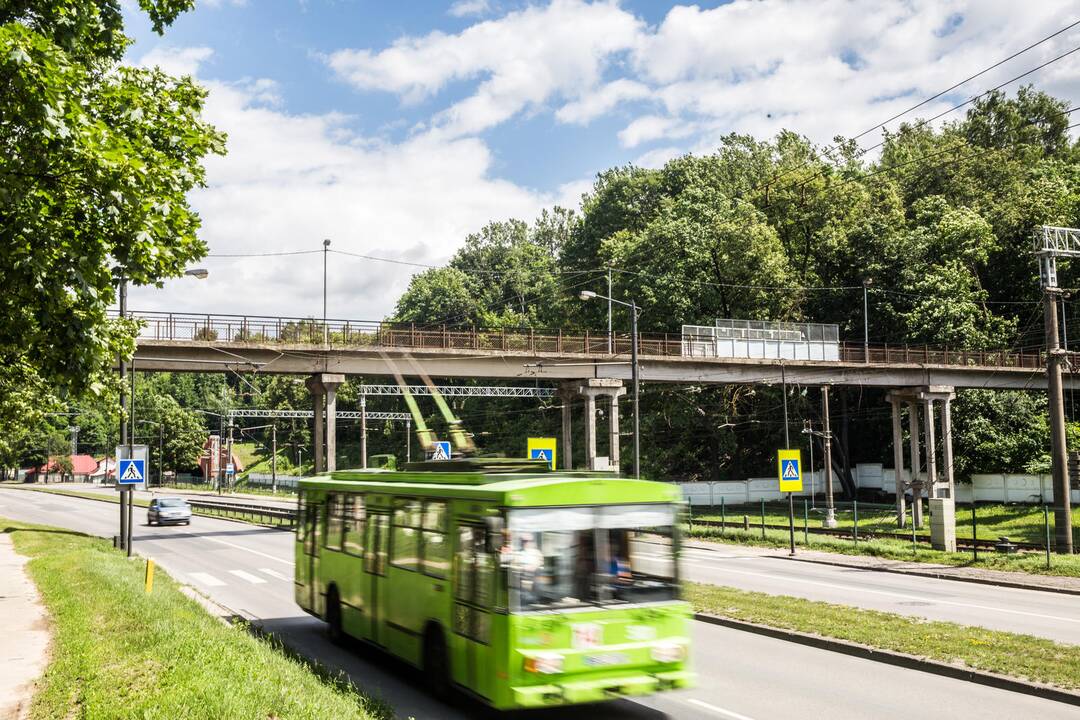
(1026, 562)
(119, 652)
(1021, 656)
(1018, 522)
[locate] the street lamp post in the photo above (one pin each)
(325, 251)
(125, 437)
(161, 436)
(866, 283)
(589, 295)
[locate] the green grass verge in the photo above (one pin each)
(1017, 522)
(1021, 656)
(120, 652)
(1027, 562)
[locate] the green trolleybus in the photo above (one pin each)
(522, 586)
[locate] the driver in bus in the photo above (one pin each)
(528, 562)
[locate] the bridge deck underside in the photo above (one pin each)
(216, 356)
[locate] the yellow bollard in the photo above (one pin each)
(149, 575)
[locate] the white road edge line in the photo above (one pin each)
(275, 558)
(851, 588)
(718, 710)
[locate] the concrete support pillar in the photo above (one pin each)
(916, 462)
(931, 448)
(323, 387)
(898, 463)
(567, 428)
(590, 431)
(317, 451)
(946, 447)
(613, 430)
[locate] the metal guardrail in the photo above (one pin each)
(262, 514)
(338, 334)
(865, 534)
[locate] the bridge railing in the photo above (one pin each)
(244, 329)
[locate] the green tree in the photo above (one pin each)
(96, 160)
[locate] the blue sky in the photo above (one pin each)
(396, 128)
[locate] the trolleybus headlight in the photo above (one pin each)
(546, 664)
(668, 652)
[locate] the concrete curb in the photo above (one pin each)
(912, 662)
(936, 575)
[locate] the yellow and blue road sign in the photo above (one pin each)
(789, 470)
(542, 449)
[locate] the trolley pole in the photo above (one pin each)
(1059, 460)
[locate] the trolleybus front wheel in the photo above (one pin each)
(436, 665)
(333, 616)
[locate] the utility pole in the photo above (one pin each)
(273, 457)
(787, 446)
(1051, 243)
(830, 509)
(637, 390)
(131, 454)
(123, 419)
(363, 432)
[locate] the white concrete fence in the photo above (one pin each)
(991, 488)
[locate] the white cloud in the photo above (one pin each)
(464, 8)
(520, 60)
(602, 101)
(653, 127)
(177, 61)
(291, 180)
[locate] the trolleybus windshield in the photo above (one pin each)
(573, 556)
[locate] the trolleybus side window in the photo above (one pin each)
(474, 566)
(405, 537)
(301, 508)
(435, 549)
(334, 521)
(353, 542)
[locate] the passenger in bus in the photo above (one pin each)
(620, 552)
(528, 562)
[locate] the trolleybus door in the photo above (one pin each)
(311, 551)
(473, 594)
(378, 539)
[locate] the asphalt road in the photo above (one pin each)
(742, 676)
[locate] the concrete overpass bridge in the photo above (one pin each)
(589, 366)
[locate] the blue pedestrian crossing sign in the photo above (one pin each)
(132, 471)
(441, 450)
(542, 449)
(789, 470)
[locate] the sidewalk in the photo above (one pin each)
(1027, 581)
(24, 641)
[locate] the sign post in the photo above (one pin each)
(542, 449)
(789, 472)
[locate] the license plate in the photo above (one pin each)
(606, 660)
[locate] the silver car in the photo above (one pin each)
(167, 510)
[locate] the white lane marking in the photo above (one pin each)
(275, 558)
(253, 579)
(275, 574)
(717, 710)
(206, 579)
(904, 596)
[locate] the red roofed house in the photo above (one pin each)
(82, 467)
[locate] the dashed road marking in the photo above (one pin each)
(206, 579)
(275, 558)
(253, 579)
(718, 710)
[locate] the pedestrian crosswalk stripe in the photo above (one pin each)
(206, 579)
(253, 579)
(274, 574)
